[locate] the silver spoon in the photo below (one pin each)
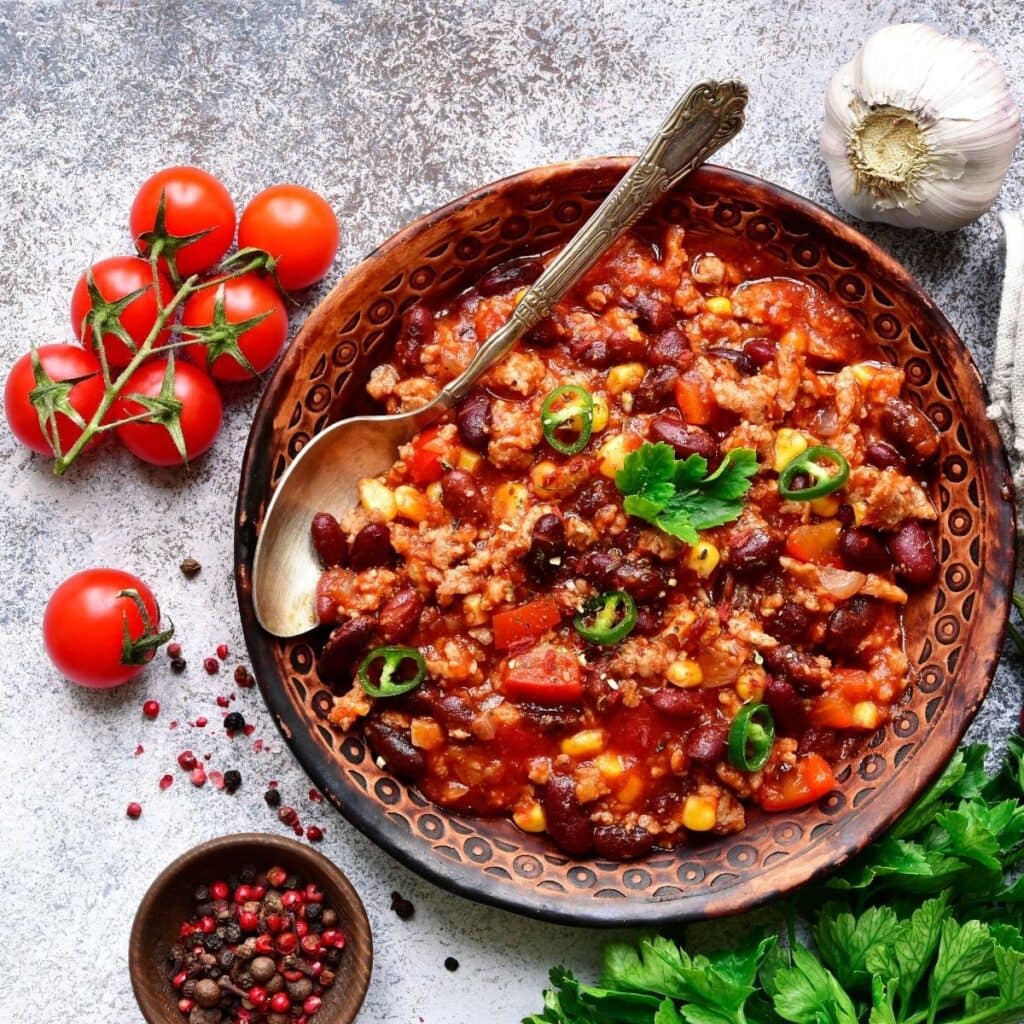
(326, 473)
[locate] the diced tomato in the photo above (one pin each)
(545, 674)
(527, 622)
(694, 398)
(489, 317)
(816, 542)
(795, 786)
(834, 708)
(429, 452)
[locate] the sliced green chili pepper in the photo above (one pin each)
(390, 684)
(607, 619)
(822, 481)
(572, 407)
(751, 736)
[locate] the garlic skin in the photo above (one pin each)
(919, 129)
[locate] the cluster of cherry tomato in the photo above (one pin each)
(186, 217)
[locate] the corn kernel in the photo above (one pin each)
(472, 610)
(584, 743)
(519, 294)
(631, 790)
(865, 715)
(411, 504)
(703, 557)
(699, 813)
(613, 454)
(860, 512)
(425, 733)
(826, 506)
(610, 766)
(624, 377)
(531, 818)
(435, 493)
(750, 684)
(542, 476)
(864, 372)
(378, 500)
(789, 444)
(685, 673)
(599, 418)
(468, 460)
(510, 501)
(719, 305)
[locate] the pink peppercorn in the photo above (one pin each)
(187, 760)
(201, 722)
(212, 665)
(166, 781)
(151, 708)
(222, 651)
(174, 650)
(198, 776)
(223, 702)
(133, 810)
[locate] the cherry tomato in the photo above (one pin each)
(115, 278)
(546, 675)
(61, 363)
(83, 626)
(529, 621)
(245, 297)
(194, 201)
(200, 417)
(297, 227)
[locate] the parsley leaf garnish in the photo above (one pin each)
(679, 496)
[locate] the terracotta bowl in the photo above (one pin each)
(954, 630)
(168, 902)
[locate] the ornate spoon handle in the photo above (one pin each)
(704, 120)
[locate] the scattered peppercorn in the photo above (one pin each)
(187, 760)
(223, 652)
(133, 810)
(273, 797)
(212, 666)
(402, 907)
(234, 721)
(190, 568)
(198, 776)
(178, 665)
(174, 649)
(232, 780)
(314, 834)
(166, 781)
(288, 816)
(151, 708)
(243, 678)
(451, 964)
(201, 722)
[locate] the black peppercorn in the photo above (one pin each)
(227, 957)
(178, 665)
(234, 722)
(212, 943)
(232, 932)
(313, 911)
(202, 894)
(451, 964)
(402, 907)
(273, 797)
(291, 882)
(232, 780)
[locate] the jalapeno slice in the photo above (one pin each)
(751, 736)
(822, 480)
(396, 660)
(607, 619)
(568, 410)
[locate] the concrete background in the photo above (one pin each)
(389, 109)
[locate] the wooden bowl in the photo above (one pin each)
(954, 630)
(168, 902)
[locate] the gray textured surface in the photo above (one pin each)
(390, 109)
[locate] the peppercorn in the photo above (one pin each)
(298, 990)
(243, 678)
(451, 964)
(202, 894)
(248, 873)
(234, 721)
(232, 933)
(212, 666)
(329, 918)
(313, 911)
(134, 810)
(190, 568)
(291, 882)
(188, 989)
(273, 797)
(262, 968)
(227, 956)
(402, 907)
(207, 992)
(178, 665)
(213, 943)
(232, 780)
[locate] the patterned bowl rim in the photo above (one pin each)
(466, 878)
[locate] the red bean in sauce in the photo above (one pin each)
(329, 540)
(462, 496)
(344, 649)
(913, 555)
(473, 421)
(685, 438)
(399, 616)
(371, 547)
(416, 331)
(567, 822)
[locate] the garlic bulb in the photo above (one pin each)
(919, 129)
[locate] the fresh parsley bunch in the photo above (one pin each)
(680, 497)
(927, 929)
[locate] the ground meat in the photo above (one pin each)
(515, 433)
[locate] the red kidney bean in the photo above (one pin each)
(326, 608)
(648, 622)
(462, 497)
(594, 496)
(371, 547)
(785, 705)
(791, 622)
(399, 616)
(670, 348)
(761, 351)
(395, 746)
(830, 743)
(652, 314)
(416, 330)
(549, 719)
(685, 438)
(676, 703)
(796, 667)
(884, 456)
(862, 549)
(473, 420)
(655, 390)
(707, 743)
(545, 334)
(846, 516)
(547, 542)
(914, 436)
(614, 842)
(639, 580)
(509, 277)
(741, 360)
(568, 823)
(329, 540)
(849, 624)
(753, 550)
(596, 566)
(343, 649)
(913, 555)
(603, 352)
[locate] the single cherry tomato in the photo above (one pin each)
(545, 675)
(429, 452)
(116, 278)
(194, 202)
(244, 298)
(84, 622)
(792, 786)
(200, 415)
(60, 363)
(529, 621)
(297, 227)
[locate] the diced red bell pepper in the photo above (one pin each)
(816, 542)
(527, 622)
(834, 708)
(546, 674)
(429, 451)
(694, 398)
(798, 785)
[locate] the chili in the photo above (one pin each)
(577, 414)
(806, 464)
(751, 736)
(390, 684)
(606, 619)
